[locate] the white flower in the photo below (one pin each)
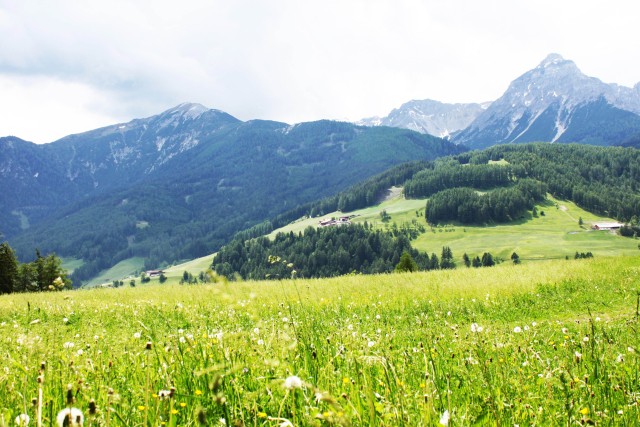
(517, 329)
(620, 358)
(526, 327)
(565, 331)
(578, 356)
(597, 319)
(444, 419)
(65, 320)
(534, 324)
(585, 339)
(260, 342)
(164, 394)
(70, 417)
(371, 343)
(68, 344)
(285, 319)
(80, 352)
(476, 328)
(22, 420)
(137, 335)
(292, 382)
(256, 331)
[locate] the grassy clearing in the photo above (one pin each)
(194, 267)
(71, 264)
(546, 344)
(126, 268)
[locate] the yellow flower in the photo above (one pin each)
(345, 380)
(584, 411)
(141, 408)
(182, 404)
(262, 415)
(198, 392)
(174, 411)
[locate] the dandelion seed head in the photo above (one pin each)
(517, 329)
(70, 417)
(22, 420)
(444, 419)
(292, 382)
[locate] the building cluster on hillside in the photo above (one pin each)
(329, 222)
(606, 226)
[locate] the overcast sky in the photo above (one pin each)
(68, 66)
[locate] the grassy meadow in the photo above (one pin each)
(541, 343)
(552, 235)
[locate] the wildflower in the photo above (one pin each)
(584, 411)
(285, 319)
(262, 415)
(371, 343)
(476, 328)
(578, 356)
(65, 320)
(198, 392)
(534, 324)
(517, 329)
(164, 394)
(70, 417)
(444, 419)
(565, 331)
(256, 331)
(585, 339)
(80, 352)
(137, 335)
(620, 358)
(292, 382)
(22, 420)
(68, 344)
(260, 342)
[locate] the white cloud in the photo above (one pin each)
(290, 60)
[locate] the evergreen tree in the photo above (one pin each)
(487, 260)
(476, 262)
(467, 261)
(446, 261)
(434, 263)
(515, 258)
(8, 269)
(406, 264)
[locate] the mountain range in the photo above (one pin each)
(554, 102)
(180, 184)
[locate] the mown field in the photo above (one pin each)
(541, 343)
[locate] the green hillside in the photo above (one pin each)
(555, 234)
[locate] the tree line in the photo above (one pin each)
(324, 252)
(45, 273)
(469, 207)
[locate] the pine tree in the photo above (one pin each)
(406, 264)
(467, 261)
(8, 269)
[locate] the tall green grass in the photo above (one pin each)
(551, 343)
